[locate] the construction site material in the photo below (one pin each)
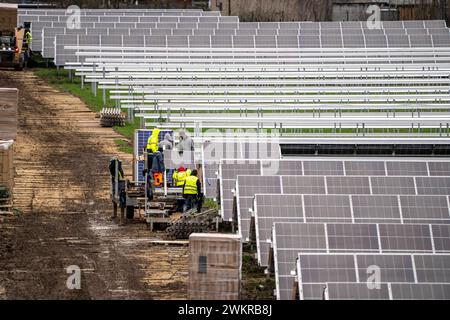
(8, 113)
(189, 224)
(110, 117)
(214, 267)
(6, 168)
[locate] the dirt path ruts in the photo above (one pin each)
(62, 190)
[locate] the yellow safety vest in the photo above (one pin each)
(180, 178)
(191, 185)
(152, 144)
(28, 38)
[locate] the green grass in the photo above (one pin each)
(128, 130)
(62, 82)
(124, 146)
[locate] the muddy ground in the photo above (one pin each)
(62, 195)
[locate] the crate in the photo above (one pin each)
(215, 263)
(6, 164)
(8, 17)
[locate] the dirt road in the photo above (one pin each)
(62, 192)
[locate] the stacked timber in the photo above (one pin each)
(8, 114)
(214, 266)
(110, 117)
(8, 133)
(6, 176)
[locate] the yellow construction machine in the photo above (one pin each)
(14, 51)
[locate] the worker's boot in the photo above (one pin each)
(122, 220)
(114, 216)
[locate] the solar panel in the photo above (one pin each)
(243, 215)
(270, 208)
(348, 185)
(441, 237)
(420, 41)
(376, 41)
(230, 169)
(331, 41)
(420, 291)
(433, 185)
(425, 209)
(375, 209)
(303, 185)
(439, 168)
(247, 187)
(405, 168)
(263, 41)
(315, 168)
(403, 238)
(323, 268)
(352, 237)
(330, 208)
(290, 238)
(285, 167)
(141, 138)
(388, 291)
(398, 41)
(364, 168)
(432, 268)
(392, 185)
(356, 291)
(308, 41)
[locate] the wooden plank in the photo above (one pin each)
(8, 113)
(169, 243)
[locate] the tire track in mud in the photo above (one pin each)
(62, 192)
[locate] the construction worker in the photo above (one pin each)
(113, 164)
(186, 143)
(192, 191)
(167, 143)
(158, 168)
(152, 146)
(28, 38)
(179, 176)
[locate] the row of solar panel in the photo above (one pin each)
(201, 29)
(39, 21)
(416, 273)
(228, 172)
(292, 239)
(384, 291)
(356, 167)
(332, 208)
(271, 209)
(251, 25)
(248, 186)
(418, 41)
(144, 12)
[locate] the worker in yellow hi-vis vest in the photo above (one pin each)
(152, 146)
(192, 192)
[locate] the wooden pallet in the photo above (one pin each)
(6, 207)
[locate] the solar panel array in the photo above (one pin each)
(421, 276)
(214, 153)
(339, 238)
(382, 207)
(344, 177)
